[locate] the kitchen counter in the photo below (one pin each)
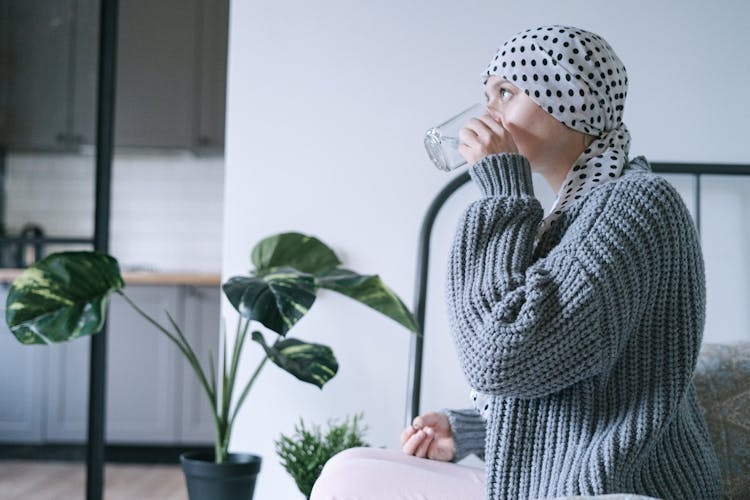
(145, 278)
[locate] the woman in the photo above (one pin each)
(578, 331)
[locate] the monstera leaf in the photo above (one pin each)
(369, 290)
(311, 363)
(304, 253)
(62, 297)
(278, 299)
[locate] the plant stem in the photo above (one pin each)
(241, 400)
(228, 389)
(212, 370)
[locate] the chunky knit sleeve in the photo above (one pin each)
(527, 330)
(469, 431)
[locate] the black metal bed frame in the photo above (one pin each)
(414, 386)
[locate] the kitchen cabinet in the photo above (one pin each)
(171, 74)
(155, 81)
(201, 313)
(66, 390)
(212, 70)
(22, 372)
(48, 74)
(152, 394)
(142, 366)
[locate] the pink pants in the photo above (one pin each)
(381, 474)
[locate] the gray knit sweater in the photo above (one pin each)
(586, 342)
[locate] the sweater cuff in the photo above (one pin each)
(504, 174)
(468, 429)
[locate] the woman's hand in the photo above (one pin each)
(429, 436)
(482, 137)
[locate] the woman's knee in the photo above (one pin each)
(346, 455)
(335, 479)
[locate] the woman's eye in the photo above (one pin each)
(500, 93)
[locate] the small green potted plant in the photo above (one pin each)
(65, 296)
(304, 454)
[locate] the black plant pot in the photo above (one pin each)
(232, 480)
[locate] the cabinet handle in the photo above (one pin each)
(69, 139)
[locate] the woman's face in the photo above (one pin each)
(538, 135)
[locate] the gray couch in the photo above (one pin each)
(722, 381)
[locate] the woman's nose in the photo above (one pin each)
(493, 110)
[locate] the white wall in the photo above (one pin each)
(327, 105)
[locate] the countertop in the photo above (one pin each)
(145, 278)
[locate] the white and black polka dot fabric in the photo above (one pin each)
(575, 76)
(481, 402)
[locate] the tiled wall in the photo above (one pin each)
(166, 210)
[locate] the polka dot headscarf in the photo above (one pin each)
(577, 78)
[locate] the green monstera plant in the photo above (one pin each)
(65, 296)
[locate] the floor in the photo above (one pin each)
(67, 481)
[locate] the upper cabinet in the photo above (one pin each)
(171, 74)
(214, 35)
(48, 75)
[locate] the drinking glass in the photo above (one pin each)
(441, 142)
